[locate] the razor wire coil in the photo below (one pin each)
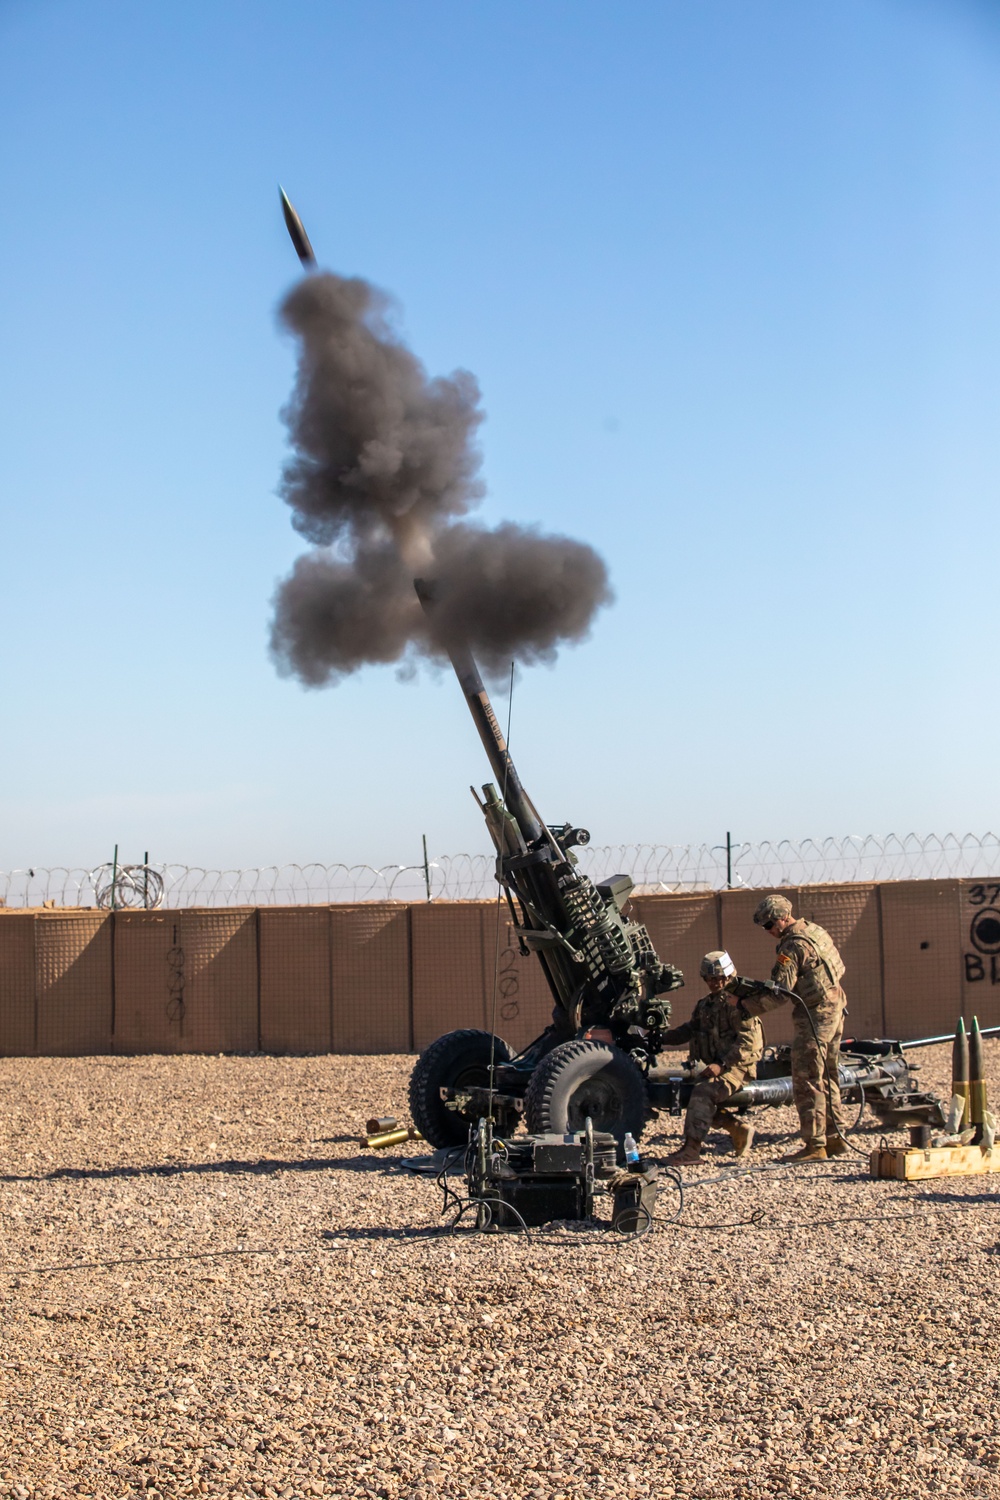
(133, 886)
(655, 868)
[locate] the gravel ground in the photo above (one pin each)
(208, 1287)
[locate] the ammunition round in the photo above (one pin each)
(385, 1138)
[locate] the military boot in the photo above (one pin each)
(741, 1135)
(807, 1153)
(687, 1155)
(836, 1146)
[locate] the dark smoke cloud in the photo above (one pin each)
(332, 616)
(378, 445)
(513, 592)
(384, 468)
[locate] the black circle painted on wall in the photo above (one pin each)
(985, 930)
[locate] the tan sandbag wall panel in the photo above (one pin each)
(371, 965)
(447, 976)
(979, 925)
(221, 983)
(922, 956)
(186, 981)
(74, 1007)
(149, 994)
(296, 1004)
(17, 984)
(391, 977)
(851, 915)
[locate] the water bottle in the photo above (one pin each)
(631, 1151)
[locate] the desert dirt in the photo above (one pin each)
(208, 1287)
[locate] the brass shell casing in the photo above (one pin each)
(962, 1091)
(392, 1138)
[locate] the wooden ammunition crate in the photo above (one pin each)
(912, 1163)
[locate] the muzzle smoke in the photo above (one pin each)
(384, 469)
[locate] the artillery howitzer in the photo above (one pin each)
(595, 1068)
(601, 967)
(598, 1059)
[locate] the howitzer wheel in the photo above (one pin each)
(459, 1059)
(581, 1079)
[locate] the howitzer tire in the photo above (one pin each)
(459, 1059)
(578, 1079)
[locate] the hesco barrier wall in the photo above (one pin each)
(392, 976)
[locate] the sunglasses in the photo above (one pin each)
(768, 926)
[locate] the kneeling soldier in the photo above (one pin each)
(730, 1043)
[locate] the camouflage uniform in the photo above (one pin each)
(809, 964)
(723, 1033)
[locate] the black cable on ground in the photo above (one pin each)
(678, 1183)
(449, 1196)
(757, 1220)
(785, 1168)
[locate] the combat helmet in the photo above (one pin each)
(717, 965)
(772, 909)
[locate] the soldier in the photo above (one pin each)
(809, 964)
(730, 1043)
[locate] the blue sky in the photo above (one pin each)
(727, 274)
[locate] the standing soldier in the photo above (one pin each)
(729, 1043)
(808, 963)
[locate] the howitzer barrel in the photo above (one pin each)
(519, 804)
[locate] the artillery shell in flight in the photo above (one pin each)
(300, 239)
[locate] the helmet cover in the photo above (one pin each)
(717, 965)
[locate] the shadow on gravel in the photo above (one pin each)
(939, 1195)
(334, 1238)
(262, 1167)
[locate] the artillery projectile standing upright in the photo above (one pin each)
(977, 1083)
(960, 1071)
